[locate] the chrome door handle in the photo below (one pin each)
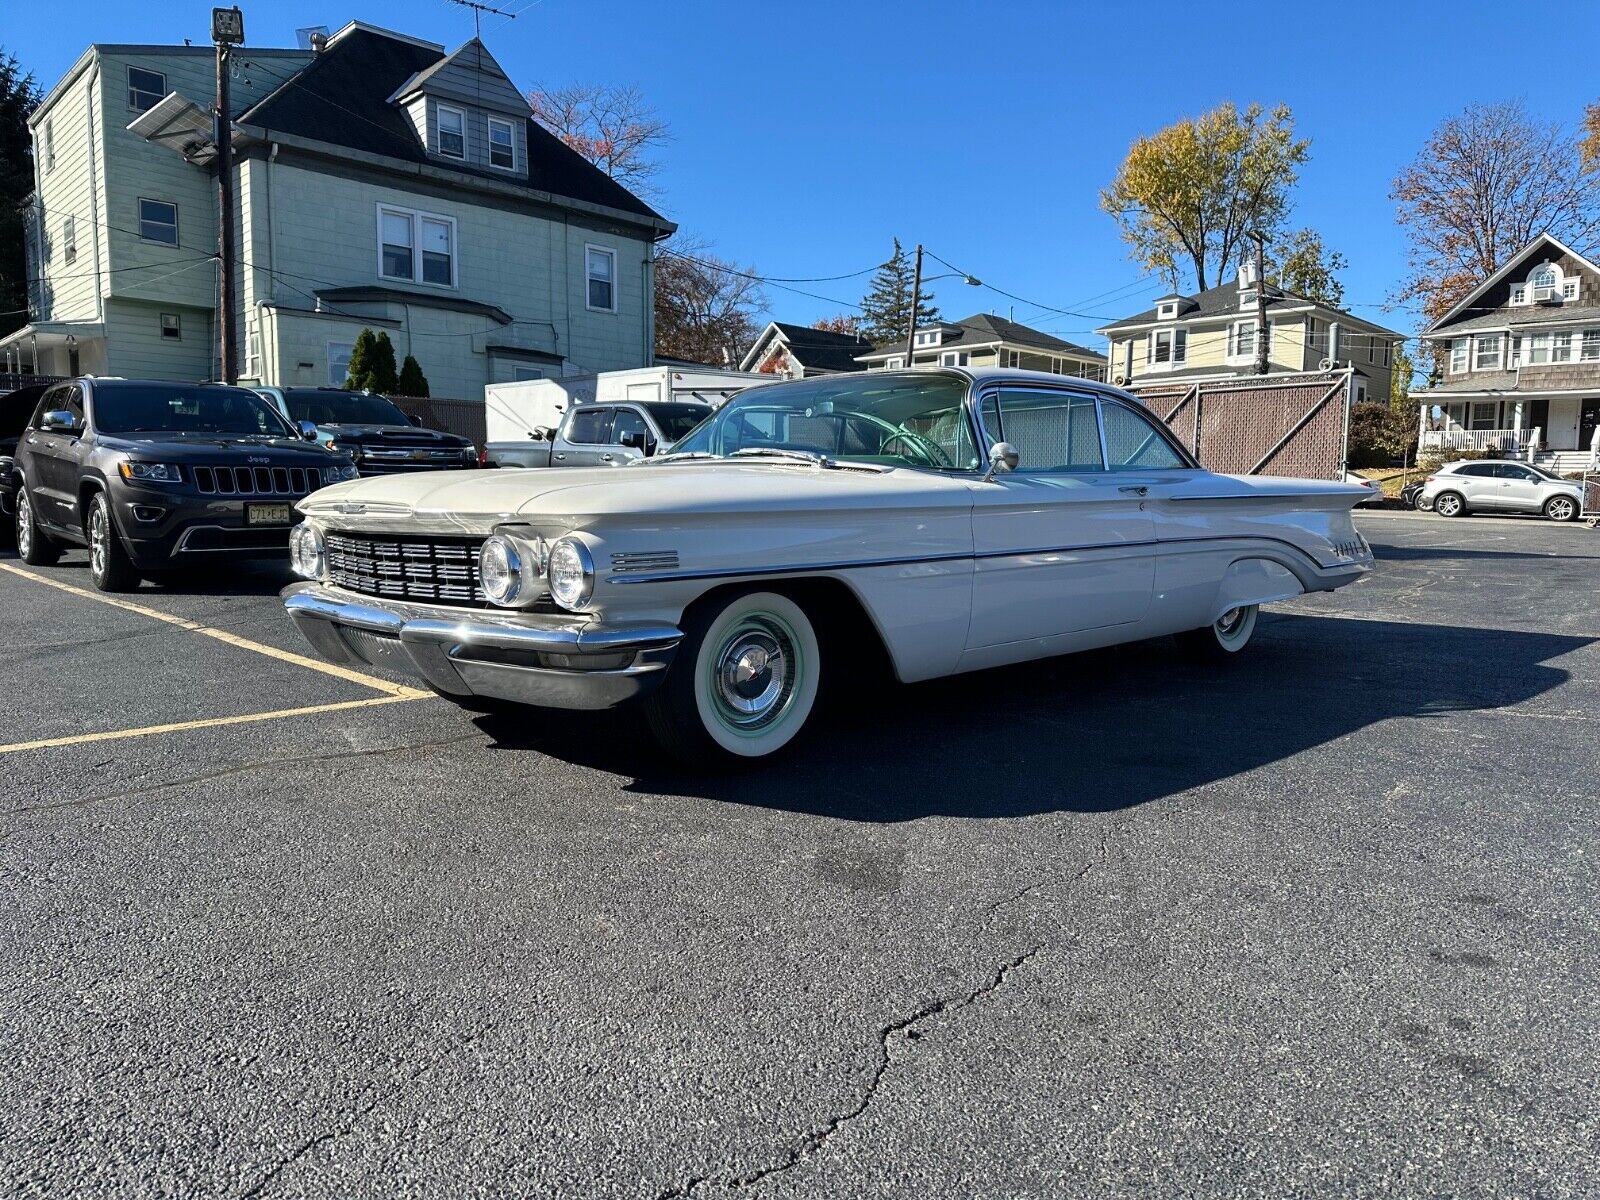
(1135, 490)
(605, 458)
(561, 456)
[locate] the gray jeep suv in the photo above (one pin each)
(151, 476)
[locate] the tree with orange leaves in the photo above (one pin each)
(612, 127)
(1489, 180)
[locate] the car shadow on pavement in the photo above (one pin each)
(1391, 553)
(1091, 732)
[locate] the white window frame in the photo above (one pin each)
(1589, 346)
(439, 109)
(69, 238)
(521, 372)
(1519, 293)
(349, 349)
(1166, 310)
(1237, 352)
(1536, 349)
(511, 138)
(1483, 362)
(1177, 348)
(416, 217)
(176, 229)
(954, 358)
(1569, 289)
(1460, 358)
(159, 96)
(929, 337)
(893, 364)
(49, 144)
(591, 248)
(1561, 348)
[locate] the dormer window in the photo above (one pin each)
(1519, 293)
(502, 144)
(1247, 299)
(929, 337)
(1166, 310)
(1569, 289)
(452, 132)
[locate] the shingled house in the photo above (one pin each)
(381, 183)
(799, 351)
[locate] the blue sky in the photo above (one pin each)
(806, 136)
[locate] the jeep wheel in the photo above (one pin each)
(34, 545)
(743, 683)
(109, 565)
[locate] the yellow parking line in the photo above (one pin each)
(112, 735)
(398, 691)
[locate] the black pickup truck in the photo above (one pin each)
(151, 476)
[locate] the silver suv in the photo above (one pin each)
(1461, 487)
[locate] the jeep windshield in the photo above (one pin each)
(889, 420)
(182, 408)
(331, 407)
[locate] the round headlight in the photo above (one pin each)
(571, 573)
(305, 550)
(500, 570)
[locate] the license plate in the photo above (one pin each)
(267, 514)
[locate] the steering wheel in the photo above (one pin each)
(930, 452)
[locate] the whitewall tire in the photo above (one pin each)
(743, 683)
(1225, 638)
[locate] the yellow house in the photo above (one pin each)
(1212, 335)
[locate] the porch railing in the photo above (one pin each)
(1509, 440)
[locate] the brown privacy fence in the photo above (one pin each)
(1294, 425)
(463, 417)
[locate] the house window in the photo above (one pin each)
(1011, 358)
(502, 144)
(1591, 346)
(1485, 415)
(452, 131)
(1458, 355)
(145, 88)
(1519, 293)
(521, 373)
(171, 327)
(1560, 347)
(252, 353)
(1169, 347)
(69, 238)
(930, 338)
(1167, 309)
(339, 362)
(893, 364)
(415, 245)
(1536, 348)
(1487, 352)
(953, 358)
(1569, 289)
(1543, 283)
(1361, 391)
(1385, 349)
(158, 221)
(1242, 339)
(600, 269)
(49, 145)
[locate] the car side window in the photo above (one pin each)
(1512, 471)
(1476, 470)
(588, 426)
(628, 421)
(1134, 442)
(1052, 431)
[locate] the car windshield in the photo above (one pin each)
(910, 420)
(675, 420)
(184, 408)
(333, 407)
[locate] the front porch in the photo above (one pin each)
(1524, 425)
(61, 348)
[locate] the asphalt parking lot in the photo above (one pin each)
(1325, 923)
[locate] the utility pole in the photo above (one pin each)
(227, 30)
(916, 287)
(1263, 363)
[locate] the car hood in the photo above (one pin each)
(580, 496)
(390, 435)
(199, 447)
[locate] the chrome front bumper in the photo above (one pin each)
(546, 659)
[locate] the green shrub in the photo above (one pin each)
(372, 364)
(412, 381)
(1379, 434)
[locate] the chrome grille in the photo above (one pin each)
(626, 561)
(437, 570)
(257, 481)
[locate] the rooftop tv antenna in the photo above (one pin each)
(477, 14)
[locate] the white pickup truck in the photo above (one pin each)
(602, 435)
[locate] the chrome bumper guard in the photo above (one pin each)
(531, 658)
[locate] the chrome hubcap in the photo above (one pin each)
(754, 674)
(1561, 509)
(1447, 506)
(24, 523)
(97, 540)
(1229, 621)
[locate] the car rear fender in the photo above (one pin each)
(1255, 581)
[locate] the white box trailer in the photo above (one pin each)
(520, 418)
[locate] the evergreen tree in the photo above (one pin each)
(886, 308)
(361, 355)
(18, 96)
(412, 381)
(384, 378)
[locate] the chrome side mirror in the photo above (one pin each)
(59, 420)
(308, 430)
(1003, 456)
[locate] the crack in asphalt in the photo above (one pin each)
(244, 768)
(1097, 859)
(360, 1113)
(901, 1031)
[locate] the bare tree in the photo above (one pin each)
(706, 308)
(612, 127)
(1489, 180)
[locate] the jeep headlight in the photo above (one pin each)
(571, 573)
(306, 550)
(340, 474)
(148, 472)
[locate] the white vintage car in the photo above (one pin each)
(953, 519)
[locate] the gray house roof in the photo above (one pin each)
(984, 328)
(1223, 301)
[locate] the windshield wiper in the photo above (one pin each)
(805, 456)
(679, 456)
